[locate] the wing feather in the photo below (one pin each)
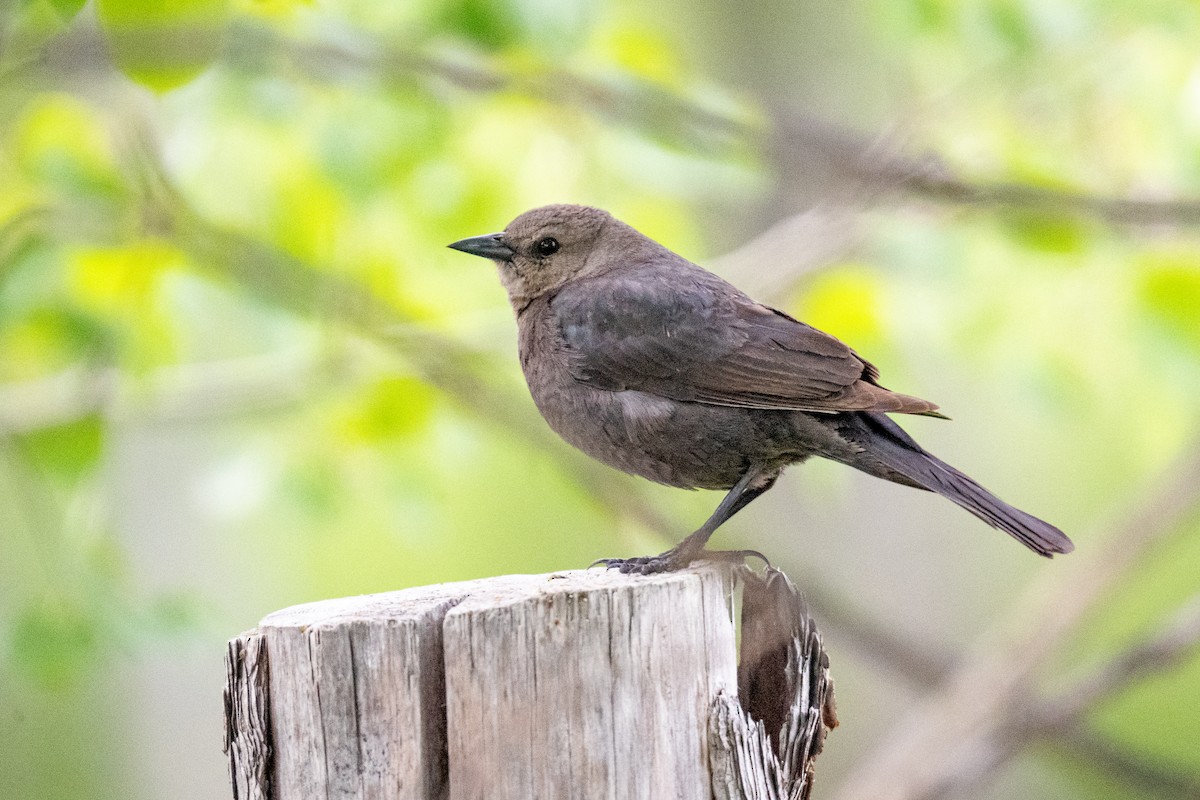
(700, 340)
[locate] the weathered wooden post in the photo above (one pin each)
(582, 684)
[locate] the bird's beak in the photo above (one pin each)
(489, 246)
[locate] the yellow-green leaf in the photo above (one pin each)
(163, 45)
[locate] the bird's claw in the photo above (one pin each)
(643, 565)
(675, 559)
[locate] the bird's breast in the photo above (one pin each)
(612, 427)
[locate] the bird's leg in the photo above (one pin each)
(753, 483)
(750, 486)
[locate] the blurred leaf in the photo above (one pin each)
(123, 285)
(163, 45)
(53, 644)
(174, 612)
(1170, 289)
(67, 8)
(929, 15)
(269, 9)
(117, 276)
(845, 302)
(67, 452)
(646, 53)
(1052, 233)
(60, 142)
(392, 408)
(314, 487)
(1008, 19)
(309, 215)
(492, 24)
(49, 339)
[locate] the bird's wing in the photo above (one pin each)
(692, 337)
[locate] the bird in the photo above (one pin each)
(653, 365)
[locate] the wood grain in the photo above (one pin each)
(582, 684)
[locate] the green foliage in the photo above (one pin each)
(1170, 288)
(52, 646)
(1049, 233)
(67, 452)
(163, 45)
(239, 369)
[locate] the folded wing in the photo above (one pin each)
(698, 339)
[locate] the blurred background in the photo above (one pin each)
(239, 369)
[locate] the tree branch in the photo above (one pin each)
(770, 264)
(940, 737)
(924, 665)
(1047, 718)
(1110, 758)
(880, 166)
(1177, 640)
(875, 163)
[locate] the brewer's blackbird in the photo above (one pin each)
(655, 366)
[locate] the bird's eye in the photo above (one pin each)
(548, 246)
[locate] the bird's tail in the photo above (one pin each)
(889, 444)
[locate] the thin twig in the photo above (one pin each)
(946, 733)
(657, 112)
(1153, 779)
(1048, 717)
(1177, 640)
(924, 665)
(1119, 210)
(864, 158)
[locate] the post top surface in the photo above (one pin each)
(503, 590)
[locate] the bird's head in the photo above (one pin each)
(545, 248)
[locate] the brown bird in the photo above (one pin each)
(655, 366)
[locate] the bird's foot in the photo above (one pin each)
(646, 565)
(676, 558)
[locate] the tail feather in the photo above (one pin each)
(889, 444)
